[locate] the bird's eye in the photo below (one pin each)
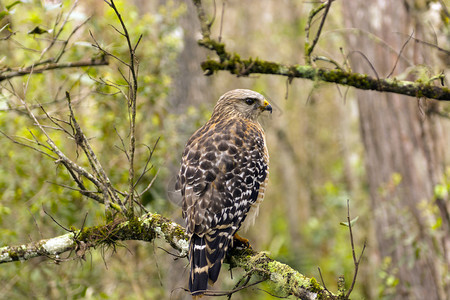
(249, 101)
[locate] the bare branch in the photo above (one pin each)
(96, 45)
(150, 184)
(440, 49)
(28, 146)
(83, 142)
(55, 38)
(355, 261)
(147, 162)
(66, 42)
(52, 66)
(400, 53)
(367, 60)
(62, 158)
(132, 97)
(309, 48)
(91, 194)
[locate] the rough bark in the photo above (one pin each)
(189, 85)
(404, 152)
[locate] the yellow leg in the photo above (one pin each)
(242, 241)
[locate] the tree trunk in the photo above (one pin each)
(404, 151)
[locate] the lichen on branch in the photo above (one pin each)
(240, 67)
(154, 226)
(231, 62)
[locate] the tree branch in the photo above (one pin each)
(243, 67)
(309, 48)
(8, 74)
(153, 226)
(133, 67)
(82, 141)
(361, 81)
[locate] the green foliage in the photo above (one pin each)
(30, 182)
(316, 156)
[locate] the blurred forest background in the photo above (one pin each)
(315, 140)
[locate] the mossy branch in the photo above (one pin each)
(146, 228)
(241, 67)
(154, 226)
(232, 63)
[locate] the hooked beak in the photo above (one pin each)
(266, 106)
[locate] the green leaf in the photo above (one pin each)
(438, 224)
(37, 30)
(352, 222)
(8, 7)
(396, 178)
(440, 191)
(3, 14)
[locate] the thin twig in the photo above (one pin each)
(132, 96)
(90, 194)
(66, 41)
(309, 22)
(66, 229)
(70, 165)
(55, 38)
(83, 142)
(97, 45)
(447, 52)
(321, 279)
(53, 120)
(226, 293)
(368, 61)
(172, 254)
(247, 277)
(310, 49)
(399, 54)
(82, 225)
(355, 261)
(124, 150)
(273, 295)
(147, 162)
(35, 223)
(137, 43)
(51, 66)
(213, 18)
(141, 206)
(331, 61)
(150, 184)
(221, 20)
(28, 146)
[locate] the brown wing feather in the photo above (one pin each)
(223, 175)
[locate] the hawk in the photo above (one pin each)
(222, 179)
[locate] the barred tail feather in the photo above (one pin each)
(206, 257)
(198, 280)
(217, 243)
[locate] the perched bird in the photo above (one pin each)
(223, 176)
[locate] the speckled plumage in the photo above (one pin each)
(223, 175)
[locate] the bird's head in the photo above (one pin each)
(242, 103)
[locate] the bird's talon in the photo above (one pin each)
(241, 242)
